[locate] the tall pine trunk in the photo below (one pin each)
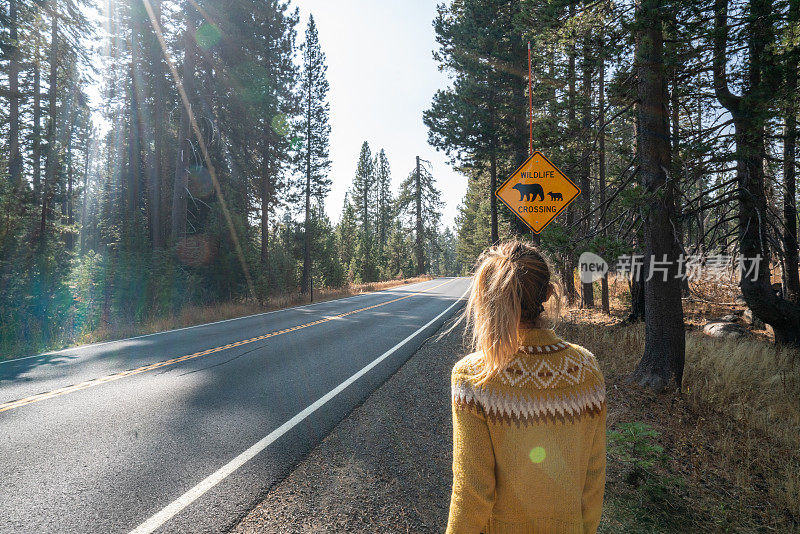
(155, 156)
(266, 200)
(665, 345)
(305, 281)
(14, 154)
(570, 260)
(601, 161)
(184, 142)
(419, 250)
(52, 154)
(587, 289)
(749, 116)
(85, 193)
(36, 156)
(789, 170)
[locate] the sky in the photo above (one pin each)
(382, 77)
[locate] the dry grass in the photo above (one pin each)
(194, 315)
(732, 434)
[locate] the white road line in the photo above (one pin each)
(215, 478)
(300, 307)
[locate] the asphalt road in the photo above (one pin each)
(186, 430)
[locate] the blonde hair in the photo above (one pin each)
(511, 284)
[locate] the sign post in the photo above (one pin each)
(537, 192)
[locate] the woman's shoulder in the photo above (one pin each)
(586, 358)
(580, 349)
(467, 366)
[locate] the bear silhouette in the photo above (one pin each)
(529, 192)
(555, 196)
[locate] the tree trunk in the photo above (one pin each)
(664, 349)
(184, 132)
(638, 304)
(587, 289)
(306, 279)
(134, 141)
(789, 171)
(266, 200)
(155, 165)
(418, 248)
(495, 234)
(570, 260)
(749, 115)
(85, 194)
(14, 155)
(52, 155)
(601, 160)
(36, 156)
(69, 236)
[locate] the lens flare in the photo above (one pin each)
(197, 250)
(537, 455)
(280, 124)
(199, 182)
(207, 35)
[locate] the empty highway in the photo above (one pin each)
(184, 431)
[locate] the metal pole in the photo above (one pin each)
(530, 100)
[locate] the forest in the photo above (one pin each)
(199, 177)
(678, 121)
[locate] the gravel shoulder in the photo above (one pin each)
(364, 477)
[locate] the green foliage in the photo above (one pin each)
(635, 445)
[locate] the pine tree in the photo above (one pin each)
(315, 130)
(363, 197)
(384, 208)
(419, 200)
(347, 234)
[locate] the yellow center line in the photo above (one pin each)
(130, 372)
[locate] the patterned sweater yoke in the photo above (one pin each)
(529, 444)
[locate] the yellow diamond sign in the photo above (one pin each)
(537, 192)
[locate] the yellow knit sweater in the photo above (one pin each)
(529, 450)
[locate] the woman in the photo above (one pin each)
(529, 412)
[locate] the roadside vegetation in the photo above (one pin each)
(69, 334)
(723, 453)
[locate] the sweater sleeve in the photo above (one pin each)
(594, 486)
(473, 493)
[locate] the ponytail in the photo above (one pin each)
(510, 285)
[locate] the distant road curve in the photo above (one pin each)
(184, 431)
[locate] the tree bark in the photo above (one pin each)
(664, 350)
(789, 172)
(36, 156)
(184, 132)
(749, 116)
(601, 160)
(155, 163)
(587, 289)
(85, 194)
(570, 260)
(52, 154)
(418, 247)
(14, 154)
(266, 202)
(306, 278)
(495, 234)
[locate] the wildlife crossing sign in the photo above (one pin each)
(537, 192)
